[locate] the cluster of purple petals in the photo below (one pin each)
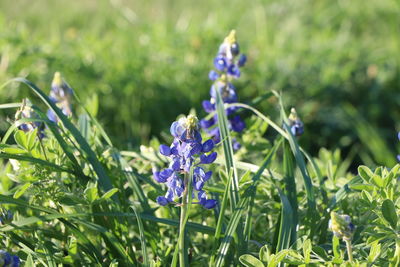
(227, 65)
(297, 127)
(6, 216)
(61, 95)
(186, 151)
(27, 112)
(6, 259)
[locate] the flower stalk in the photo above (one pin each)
(183, 256)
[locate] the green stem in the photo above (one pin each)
(349, 249)
(183, 257)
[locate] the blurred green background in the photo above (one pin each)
(337, 62)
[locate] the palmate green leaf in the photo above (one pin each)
(104, 180)
(389, 213)
(276, 259)
(250, 261)
(365, 173)
(344, 191)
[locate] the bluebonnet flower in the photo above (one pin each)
(8, 260)
(26, 112)
(186, 151)
(61, 95)
(6, 216)
(227, 65)
(341, 226)
(296, 125)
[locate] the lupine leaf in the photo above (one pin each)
(389, 212)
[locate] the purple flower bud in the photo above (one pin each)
(207, 176)
(162, 200)
(207, 123)
(198, 185)
(210, 203)
(202, 197)
(213, 75)
(197, 148)
(175, 165)
(165, 150)
(204, 159)
(297, 129)
(176, 129)
(220, 63)
(234, 70)
(242, 60)
(237, 124)
(157, 177)
(235, 49)
(208, 107)
(208, 145)
(165, 174)
(236, 145)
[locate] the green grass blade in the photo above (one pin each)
(256, 178)
(142, 238)
(104, 180)
(228, 150)
(45, 163)
(285, 228)
(231, 228)
(290, 189)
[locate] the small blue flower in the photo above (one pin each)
(6, 216)
(296, 125)
(61, 95)
(220, 63)
(213, 75)
(27, 112)
(186, 151)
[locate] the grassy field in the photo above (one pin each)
(119, 181)
(147, 61)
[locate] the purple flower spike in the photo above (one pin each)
(227, 65)
(165, 150)
(186, 152)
